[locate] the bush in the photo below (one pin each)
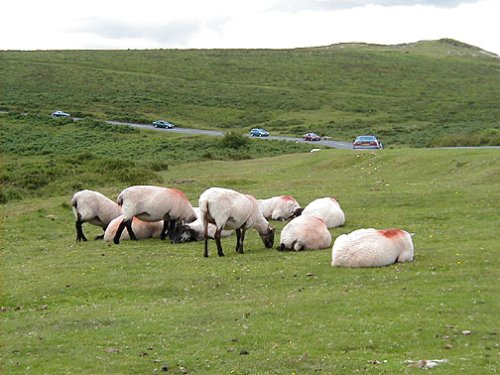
(234, 140)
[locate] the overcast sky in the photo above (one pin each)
(141, 24)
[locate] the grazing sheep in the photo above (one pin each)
(282, 207)
(305, 232)
(153, 203)
(372, 248)
(92, 207)
(327, 209)
(194, 231)
(142, 229)
(229, 209)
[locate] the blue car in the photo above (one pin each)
(163, 124)
(258, 132)
(60, 114)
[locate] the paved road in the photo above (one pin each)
(327, 143)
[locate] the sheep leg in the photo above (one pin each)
(238, 239)
(131, 233)
(217, 242)
(79, 232)
(205, 235)
(121, 227)
(163, 234)
(240, 250)
(171, 229)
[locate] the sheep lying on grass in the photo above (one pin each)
(327, 209)
(305, 232)
(153, 203)
(283, 207)
(372, 248)
(229, 209)
(194, 231)
(92, 207)
(141, 229)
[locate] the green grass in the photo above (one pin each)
(423, 94)
(97, 308)
(44, 156)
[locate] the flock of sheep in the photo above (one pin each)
(153, 211)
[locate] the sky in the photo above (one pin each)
(152, 24)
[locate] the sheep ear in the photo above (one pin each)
(412, 234)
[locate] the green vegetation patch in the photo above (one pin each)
(142, 306)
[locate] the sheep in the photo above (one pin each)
(229, 209)
(153, 203)
(327, 209)
(92, 207)
(305, 232)
(281, 208)
(194, 231)
(372, 248)
(142, 229)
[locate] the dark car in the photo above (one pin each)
(311, 137)
(163, 124)
(366, 142)
(60, 114)
(258, 132)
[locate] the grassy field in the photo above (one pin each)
(144, 307)
(423, 94)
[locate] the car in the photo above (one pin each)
(366, 142)
(258, 132)
(60, 114)
(311, 137)
(163, 124)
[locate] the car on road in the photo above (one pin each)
(258, 132)
(311, 137)
(367, 142)
(163, 124)
(60, 114)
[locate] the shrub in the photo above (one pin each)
(234, 140)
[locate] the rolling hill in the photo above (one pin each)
(422, 94)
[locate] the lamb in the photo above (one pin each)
(327, 209)
(93, 207)
(372, 248)
(194, 231)
(229, 209)
(305, 232)
(153, 203)
(283, 207)
(141, 229)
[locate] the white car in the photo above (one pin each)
(60, 114)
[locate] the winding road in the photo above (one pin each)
(217, 133)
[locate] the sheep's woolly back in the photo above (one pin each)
(93, 207)
(327, 209)
(281, 207)
(305, 232)
(231, 209)
(154, 203)
(372, 248)
(142, 229)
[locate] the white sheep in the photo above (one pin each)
(327, 209)
(305, 232)
(282, 207)
(141, 229)
(194, 231)
(94, 208)
(229, 209)
(153, 203)
(372, 248)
